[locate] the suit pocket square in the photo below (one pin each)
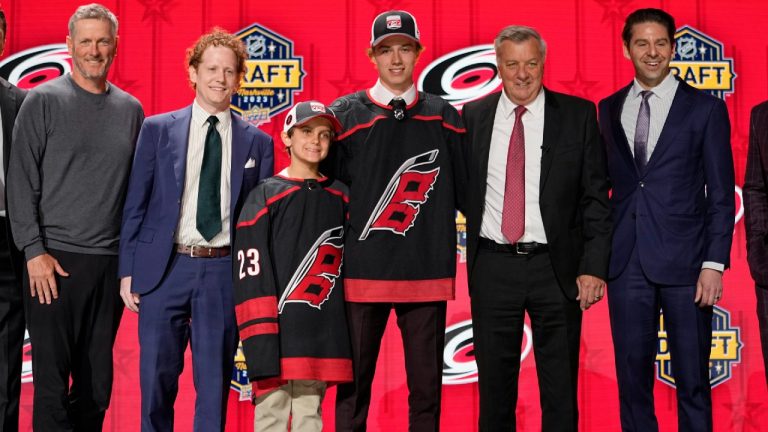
(251, 163)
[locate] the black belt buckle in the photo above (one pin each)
(527, 249)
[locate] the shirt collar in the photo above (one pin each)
(535, 108)
(663, 90)
(383, 95)
(200, 116)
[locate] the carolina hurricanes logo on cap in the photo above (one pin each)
(317, 107)
(394, 22)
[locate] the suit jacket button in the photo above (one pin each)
(642, 184)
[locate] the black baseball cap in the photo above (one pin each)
(391, 23)
(303, 112)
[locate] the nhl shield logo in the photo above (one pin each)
(273, 75)
(700, 61)
(725, 352)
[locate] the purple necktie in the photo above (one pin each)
(513, 212)
(641, 131)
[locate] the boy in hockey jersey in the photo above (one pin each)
(288, 290)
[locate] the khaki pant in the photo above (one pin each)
(298, 400)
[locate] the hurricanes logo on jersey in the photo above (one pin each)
(315, 278)
(401, 201)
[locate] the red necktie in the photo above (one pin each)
(513, 213)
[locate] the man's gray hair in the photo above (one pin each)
(92, 11)
(517, 34)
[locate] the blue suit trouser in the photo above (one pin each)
(634, 304)
(192, 304)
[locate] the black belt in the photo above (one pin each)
(531, 248)
(202, 251)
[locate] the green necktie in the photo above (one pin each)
(209, 192)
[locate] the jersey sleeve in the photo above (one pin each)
(455, 133)
(255, 288)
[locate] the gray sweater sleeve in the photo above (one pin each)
(24, 181)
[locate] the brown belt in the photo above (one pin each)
(202, 251)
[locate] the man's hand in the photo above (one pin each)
(42, 280)
(709, 288)
(130, 299)
(591, 290)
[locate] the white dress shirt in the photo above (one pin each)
(659, 103)
(187, 233)
(383, 95)
(533, 125)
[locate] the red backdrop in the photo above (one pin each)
(331, 37)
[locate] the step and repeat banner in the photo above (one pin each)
(304, 50)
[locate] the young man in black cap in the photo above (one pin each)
(400, 156)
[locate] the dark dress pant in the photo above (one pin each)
(634, 304)
(422, 327)
(11, 333)
(761, 292)
(504, 286)
(192, 305)
(73, 338)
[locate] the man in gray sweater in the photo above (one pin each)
(73, 143)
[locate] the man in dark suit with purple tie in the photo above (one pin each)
(671, 169)
(756, 216)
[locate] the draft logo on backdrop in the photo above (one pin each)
(700, 61)
(239, 382)
(461, 237)
(273, 75)
(725, 354)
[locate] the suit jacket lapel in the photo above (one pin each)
(240, 151)
(178, 139)
(485, 131)
(7, 104)
(681, 107)
(619, 136)
(551, 136)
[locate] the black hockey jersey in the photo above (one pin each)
(403, 177)
(288, 291)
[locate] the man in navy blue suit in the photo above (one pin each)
(671, 169)
(191, 169)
